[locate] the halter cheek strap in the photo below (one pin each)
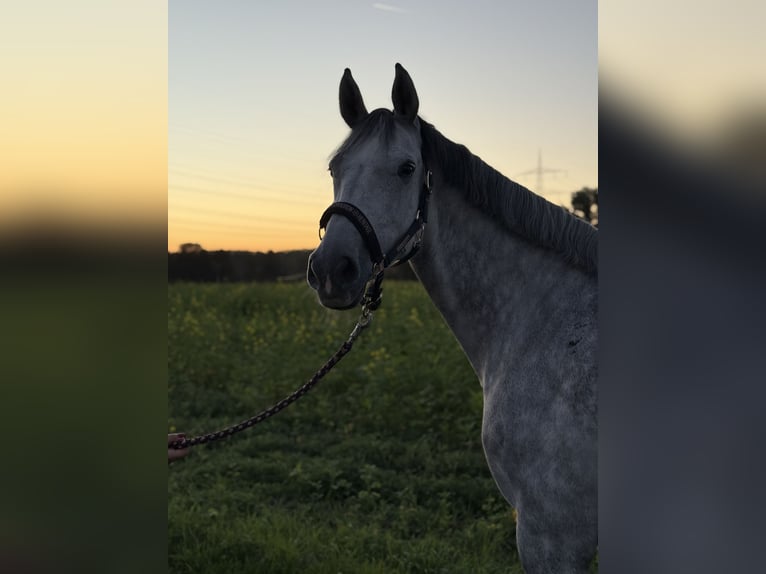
(404, 249)
(412, 239)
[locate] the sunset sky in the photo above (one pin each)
(83, 111)
(253, 101)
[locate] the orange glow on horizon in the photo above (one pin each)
(84, 115)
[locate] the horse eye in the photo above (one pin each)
(406, 169)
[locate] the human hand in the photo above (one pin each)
(176, 453)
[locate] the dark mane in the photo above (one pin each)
(517, 208)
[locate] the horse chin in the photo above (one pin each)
(341, 307)
(338, 302)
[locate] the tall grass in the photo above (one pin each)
(378, 470)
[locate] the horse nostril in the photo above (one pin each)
(311, 275)
(346, 271)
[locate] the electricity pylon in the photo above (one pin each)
(539, 171)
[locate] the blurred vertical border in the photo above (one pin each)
(83, 183)
(682, 170)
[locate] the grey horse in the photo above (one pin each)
(515, 278)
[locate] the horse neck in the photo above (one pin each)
(492, 286)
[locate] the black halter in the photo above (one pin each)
(402, 252)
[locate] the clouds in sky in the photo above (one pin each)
(389, 8)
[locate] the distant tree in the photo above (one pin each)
(585, 205)
(190, 248)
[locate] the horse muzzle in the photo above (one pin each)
(338, 280)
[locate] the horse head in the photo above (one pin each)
(379, 182)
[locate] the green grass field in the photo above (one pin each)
(378, 470)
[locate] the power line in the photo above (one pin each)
(259, 197)
(175, 220)
(241, 143)
(232, 215)
(237, 182)
(194, 227)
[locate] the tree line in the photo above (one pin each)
(193, 263)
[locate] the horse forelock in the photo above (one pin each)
(379, 123)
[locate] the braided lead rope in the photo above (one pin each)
(361, 324)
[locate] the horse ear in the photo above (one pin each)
(351, 104)
(404, 96)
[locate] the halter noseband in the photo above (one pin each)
(402, 252)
